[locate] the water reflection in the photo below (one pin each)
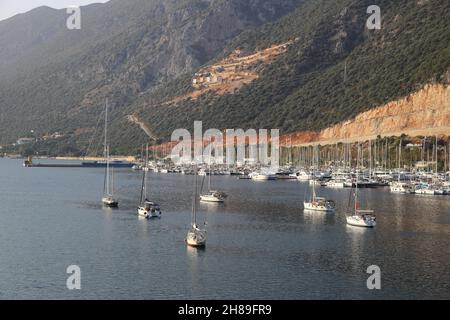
(318, 217)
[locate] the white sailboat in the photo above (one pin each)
(108, 198)
(318, 203)
(399, 186)
(359, 217)
(147, 209)
(196, 237)
(303, 176)
(213, 195)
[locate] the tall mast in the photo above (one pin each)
(194, 200)
(399, 158)
(107, 172)
(105, 152)
(144, 179)
(106, 128)
(436, 148)
(357, 177)
(146, 170)
(209, 169)
(370, 159)
(112, 181)
(316, 162)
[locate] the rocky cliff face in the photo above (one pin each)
(425, 112)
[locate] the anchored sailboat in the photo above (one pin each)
(359, 217)
(213, 195)
(196, 237)
(147, 209)
(108, 198)
(318, 203)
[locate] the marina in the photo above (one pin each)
(230, 156)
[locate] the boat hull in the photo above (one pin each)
(357, 221)
(148, 214)
(110, 203)
(211, 199)
(196, 239)
(314, 207)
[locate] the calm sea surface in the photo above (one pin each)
(261, 245)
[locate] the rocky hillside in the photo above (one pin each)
(54, 79)
(423, 113)
(336, 69)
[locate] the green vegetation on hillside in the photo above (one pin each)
(305, 89)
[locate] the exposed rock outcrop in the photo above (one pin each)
(425, 112)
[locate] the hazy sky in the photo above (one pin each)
(8, 8)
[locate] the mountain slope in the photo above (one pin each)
(54, 79)
(146, 69)
(305, 89)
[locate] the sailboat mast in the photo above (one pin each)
(357, 178)
(112, 181)
(106, 131)
(399, 158)
(107, 172)
(315, 159)
(146, 171)
(194, 200)
(143, 185)
(105, 153)
(436, 148)
(209, 169)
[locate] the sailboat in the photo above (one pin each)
(108, 198)
(359, 217)
(213, 195)
(147, 209)
(196, 237)
(399, 186)
(318, 203)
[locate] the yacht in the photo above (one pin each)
(360, 218)
(262, 176)
(425, 189)
(147, 209)
(303, 176)
(318, 203)
(195, 237)
(108, 198)
(339, 184)
(400, 187)
(214, 196)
